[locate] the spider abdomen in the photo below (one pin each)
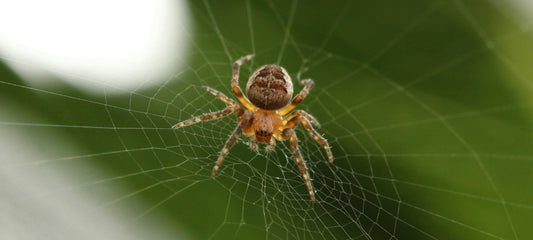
(270, 87)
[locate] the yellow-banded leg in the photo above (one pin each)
(300, 119)
(302, 113)
(300, 97)
(209, 116)
(246, 120)
(289, 133)
(220, 95)
(235, 82)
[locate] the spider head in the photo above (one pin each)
(264, 124)
(269, 87)
(263, 135)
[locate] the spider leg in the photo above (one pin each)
(299, 119)
(253, 144)
(235, 82)
(289, 133)
(302, 113)
(300, 97)
(209, 116)
(246, 119)
(220, 95)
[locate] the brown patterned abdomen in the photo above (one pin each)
(270, 87)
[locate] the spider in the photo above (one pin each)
(265, 116)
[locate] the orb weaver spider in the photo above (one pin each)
(264, 117)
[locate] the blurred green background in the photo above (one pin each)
(427, 106)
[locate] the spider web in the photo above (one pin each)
(437, 147)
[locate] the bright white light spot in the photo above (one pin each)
(94, 43)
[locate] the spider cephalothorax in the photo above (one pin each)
(264, 117)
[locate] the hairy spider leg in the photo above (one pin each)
(253, 143)
(302, 113)
(300, 119)
(246, 120)
(220, 95)
(235, 83)
(289, 133)
(209, 116)
(300, 97)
